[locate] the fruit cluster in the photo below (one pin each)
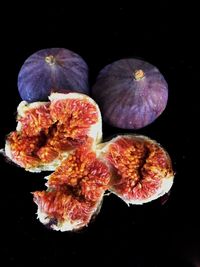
(64, 135)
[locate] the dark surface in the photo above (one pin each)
(148, 235)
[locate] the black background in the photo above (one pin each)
(154, 234)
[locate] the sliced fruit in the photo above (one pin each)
(75, 191)
(47, 132)
(142, 169)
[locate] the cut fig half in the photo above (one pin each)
(142, 169)
(47, 132)
(75, 191)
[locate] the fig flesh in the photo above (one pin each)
(52, 69)
(63, 135)
(131, 93)
(142, 169)
(75, 191)
(48, 131)
(134, 167)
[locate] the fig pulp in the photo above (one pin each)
(134, 167)
(64, 135)
(75, 191)
(53, 68)
(131, 93)
(48, 131)
(142, 169)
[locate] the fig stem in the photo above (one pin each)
(138, 75)
(50, 60)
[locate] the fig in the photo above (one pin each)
(131, 93)
(75, 191)
(134, 167)
(47, 132)
(141, 168)
(52, 69)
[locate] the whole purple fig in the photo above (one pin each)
(131, 93)
(52, 69)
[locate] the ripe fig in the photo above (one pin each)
(75, 191)
(142, 169)
(48, 131)
(131, 93)
(52, 69)
(134, 167)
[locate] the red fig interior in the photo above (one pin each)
(135, 168)
(75, 190)
(52, 128)
(142, 169)
(67, 130)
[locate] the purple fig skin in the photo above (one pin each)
(52, 69)
(131, 93)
